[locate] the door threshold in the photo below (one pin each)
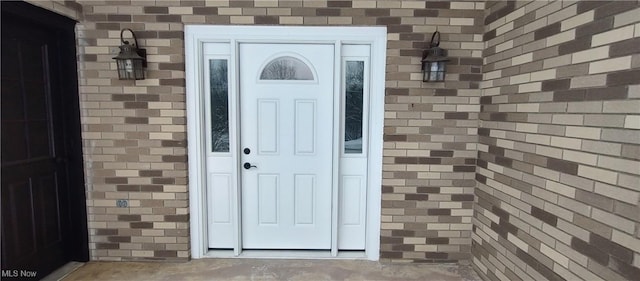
(287, 254)
(62, 272)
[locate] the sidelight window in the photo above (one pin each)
(354, 93)
(218, 81)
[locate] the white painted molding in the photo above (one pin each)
(196, 35)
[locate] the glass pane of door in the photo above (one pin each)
(218, 81)
(354, 84)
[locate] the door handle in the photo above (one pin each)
(248, 165)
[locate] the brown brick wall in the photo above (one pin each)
(559, 154)
(430, 136)
(135, 141)
(557, 162)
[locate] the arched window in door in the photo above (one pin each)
(286, 68)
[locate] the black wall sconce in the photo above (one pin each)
(434, 61)
(131, 60)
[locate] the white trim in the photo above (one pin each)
(376, 134)
(194, 146)
(235, 104)
(337, 54)
(196, 35)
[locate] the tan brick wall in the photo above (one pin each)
(559, 154)
(135, 141)
(557, 166)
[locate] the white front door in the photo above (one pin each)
(286, 142)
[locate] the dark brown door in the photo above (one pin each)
(37, 227)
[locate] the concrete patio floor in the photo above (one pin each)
(260, 269)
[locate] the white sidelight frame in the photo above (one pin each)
(195, 38)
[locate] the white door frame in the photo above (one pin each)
(196, 36)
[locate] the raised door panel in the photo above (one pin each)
(268, 125)
(268, 197)
(18, 224)
(304, 199)
(305, 127)
(219, 204)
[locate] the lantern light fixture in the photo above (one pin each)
(434, 61)
(131, 60)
